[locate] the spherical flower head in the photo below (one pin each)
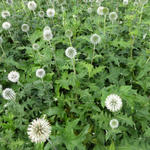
(9, 94)
(105, 10)
(113, 16)
(39, 130)
(114, 123)
(32, 5)
(89, 10)
(100, 10)
(40, 73)
(143, 2)
(13, 76)
(10, 2)
(35, 46)
(68, 33)
(95, 39)
(47, 35)
(125, 2)
(25, 27)
(41, 14)
(46, 28)
(6, 25)
(50, 12)
(113, 102)
(1, 40)
(5, 14)
(71, 52)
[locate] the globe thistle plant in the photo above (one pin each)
(6, 25)
(113, 16)
(32, 5)
(47, 35)
(5, 14)
(41, 14)
(114, 123)
(25, 27)
(113, 103)
(39, 130)
(13, 76)
(125, 2)
(100, 10)
(9, 94)
(71, 52)
(95, 39)
(50, 12)
(40, 73)
(35, 46)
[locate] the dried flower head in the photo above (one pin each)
(50, 12)
(35, 46)
(100, 10)
(71, 52)
(32, 5)
(114, 123)
(95, 39)
(68, 33)
(113, 102)
(40, 73)
(125, 2)
(5, 14)
(13, 76)
(47, 35)
(89, 10)
(113, 16)
(6, 25)
(39, 130)
(25, 27)
(41, 14)
(9, 94)
(10, 2)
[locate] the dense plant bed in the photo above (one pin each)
(75, 75)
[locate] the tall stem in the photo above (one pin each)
(141, 13)
(51, 144)
(104, 24)
(3, 50)
(93, 54)
(73, 64)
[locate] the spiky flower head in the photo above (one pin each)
(113, 102)
(114, 123)
(35, 46)
(9, 94)
(13, 76)
(100, 10)
(125, 2)
(71, 52)
(47, 34)
(25, 27)
(5, 14)
(50, 12)
(113, 16)
(41, 14)
(68, 33)
(39, 130)
(32, 5)
(40, 73)
(89, 10)
(95, 39)
(6, 25)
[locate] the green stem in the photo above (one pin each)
(73, 64)
(148, 60)
(3, 50)
(93, 54)
(104, 24)
(141, 13)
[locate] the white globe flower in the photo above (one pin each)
(100, 10)
(68, 33)
(6, 25)
(32, 5)
(39, 130)
(89, 10)
(9, 94)
(10, 2)
(5, 14)
(50, 12)
(47, 35)
(35, 46)
(125, 2)
(71, 52)
(114, 123)
(25, 27)
(13, 76)
(113, 102)
(40, 73)
(1, 40)
(113, 16)
(41, 14)
(95, 39)
(46, 28)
